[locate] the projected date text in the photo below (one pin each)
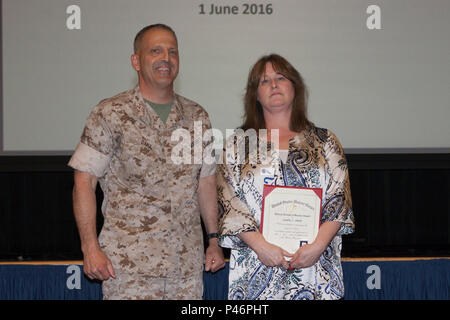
(243, 9)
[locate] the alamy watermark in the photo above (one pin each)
(373, 20)
(74, 280)
(200, 146)
(374, 280)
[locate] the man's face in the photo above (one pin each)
(156, 59)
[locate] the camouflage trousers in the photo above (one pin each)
(140, 287)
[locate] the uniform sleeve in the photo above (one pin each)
(234, 213)
(337, 200)
(94, 151)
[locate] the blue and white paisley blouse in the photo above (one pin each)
(315, 160)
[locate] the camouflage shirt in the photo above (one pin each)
(150, 208)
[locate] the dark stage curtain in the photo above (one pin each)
(401, 204)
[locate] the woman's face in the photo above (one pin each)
(275, 92)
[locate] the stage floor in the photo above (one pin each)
(364, 279)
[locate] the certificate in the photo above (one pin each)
(290, 216)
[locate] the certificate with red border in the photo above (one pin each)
(290, 216)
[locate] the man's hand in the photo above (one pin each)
(207, 197)
(214, 257)
(97, 265)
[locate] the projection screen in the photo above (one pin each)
(378, 72)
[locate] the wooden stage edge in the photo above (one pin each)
(80, 262)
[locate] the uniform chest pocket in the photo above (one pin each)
(137, 159)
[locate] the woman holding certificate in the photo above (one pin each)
(284, 194)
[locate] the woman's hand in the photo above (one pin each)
(306, 256)
(269, 254)
(309, 254)
(272, 255)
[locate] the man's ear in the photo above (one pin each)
(135, 62)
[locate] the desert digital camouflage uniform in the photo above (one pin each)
(152, 231)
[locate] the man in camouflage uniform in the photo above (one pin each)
(151, 244)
